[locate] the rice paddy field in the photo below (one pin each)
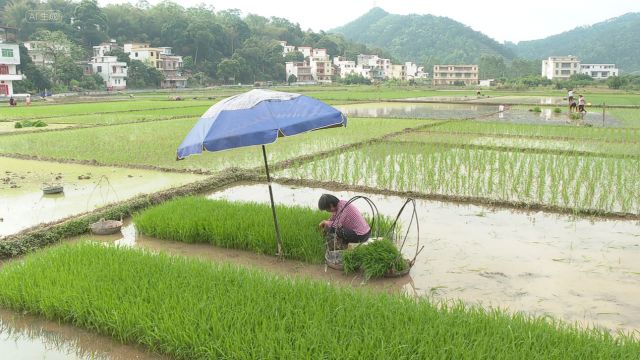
(579, 180)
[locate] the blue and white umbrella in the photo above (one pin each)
(258, 117)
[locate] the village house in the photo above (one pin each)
(112, 71)
(161, 58)
(455, 74)
(9, 61)
(106, 48)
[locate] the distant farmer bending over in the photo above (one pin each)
(346, 222)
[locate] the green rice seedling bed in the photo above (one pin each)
(131, 116)
(155, 144)
(573, 132)
(193, 309)
(245, 226)
(629, 117)
(61, 110)
(568, 146)
(581, 183)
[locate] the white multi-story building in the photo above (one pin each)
(377, 68)
(415, 72)
(112, 71)
(161, 58)
(301, 70)
(321, 67)
(41, 52)
(305, 50)
(9, 60)
(286, 48)
(345, 67)
(455, 74)
(105, 48)
(560, 67)
(599, 71)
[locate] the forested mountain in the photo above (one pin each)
(424, 39)
(215, 44)
(429, 39)
(616, 41)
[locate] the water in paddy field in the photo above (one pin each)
(24, 337)
(577, 270)
(23, 205)
(573, 269)
(444, 111)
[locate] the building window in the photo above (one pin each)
(99, 69)
(7, 53)
(135, 54)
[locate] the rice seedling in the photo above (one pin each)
(29, 123)
(374, 259)
(536, 109)
(193, 309)
(539, 131)
(155, 143)
(53, 110)
(246, 226)
(532, 144)
(557, 110)
(433, 169)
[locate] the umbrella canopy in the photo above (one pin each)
(258, 117)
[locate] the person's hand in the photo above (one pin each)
(321, 225)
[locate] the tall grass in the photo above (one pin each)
(582, 183)
(246, 226)
(192, 309)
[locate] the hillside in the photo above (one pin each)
(422, 38)
(612, 41)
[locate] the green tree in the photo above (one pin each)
(616, 82)
(90, 22)
(228, 69)
(294, 56)
(292, 79)
(35, 80)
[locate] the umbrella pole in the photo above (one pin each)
(273, 205)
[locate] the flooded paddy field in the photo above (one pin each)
(535, 262)
(23, 204)
(446, 111)
(28, 337)
(532, 262)
(577, 269)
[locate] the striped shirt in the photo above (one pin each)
(350, 218)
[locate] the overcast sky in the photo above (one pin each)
(502, 20)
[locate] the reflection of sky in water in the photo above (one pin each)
(26, 337)
(470, 111)
(573, 268)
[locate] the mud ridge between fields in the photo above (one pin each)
(45, 234)
(533, 137)
(464, 200)
(97, 163)
(532, 150)
(476, 102)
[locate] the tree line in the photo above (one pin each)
(217, 46)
